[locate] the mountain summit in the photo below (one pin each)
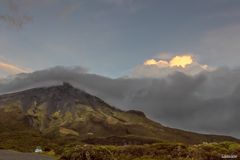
(60, 111)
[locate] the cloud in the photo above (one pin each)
(119, 2)
(16, 12)
(13, 15)
(16, 21)
(69, 9)
(177, 61)
(207, 102)
(130, 5)
(12, 69)
(158, 68)
(181, 61)
(160, 63)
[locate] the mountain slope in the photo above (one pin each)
(64, 111)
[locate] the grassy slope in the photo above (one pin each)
(17, 134)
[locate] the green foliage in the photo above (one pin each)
(160, 151)
(89, 153)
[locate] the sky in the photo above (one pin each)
(110, 37)
(177, 61)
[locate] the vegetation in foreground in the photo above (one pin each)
(160, 151)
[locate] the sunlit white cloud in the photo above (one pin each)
(177, 61)
(158, 68)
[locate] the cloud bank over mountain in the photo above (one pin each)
(207, 102)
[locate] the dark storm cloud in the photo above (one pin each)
(208, 102)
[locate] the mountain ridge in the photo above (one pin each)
(59, 112)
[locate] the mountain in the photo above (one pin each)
(60, 112)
